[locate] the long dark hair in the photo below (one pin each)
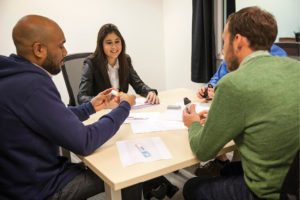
(99, 58)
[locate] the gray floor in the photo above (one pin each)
(177, 179)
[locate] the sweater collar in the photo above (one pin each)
(254, 55)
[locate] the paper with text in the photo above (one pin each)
(142, 150)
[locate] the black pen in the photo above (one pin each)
(205, 95)
(187, 104)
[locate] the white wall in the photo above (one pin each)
(157, 32)
(178, 27)
(287, 14)
(140, 22)
(177, 41)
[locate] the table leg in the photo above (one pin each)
(112, 194)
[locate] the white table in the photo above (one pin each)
(106, 163)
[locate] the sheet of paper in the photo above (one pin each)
(176, 114)
(172, 115)
(140, 103)
(142, 150)
(171, 119)
(152, 121)
(133, 117)
(144, 126)
(202, 106)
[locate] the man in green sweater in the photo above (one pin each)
(256, 105)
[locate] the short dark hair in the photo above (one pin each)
(257, 25)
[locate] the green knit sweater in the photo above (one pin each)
(257, 106)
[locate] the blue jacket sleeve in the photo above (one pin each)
(83, 111)
(222, 71)
(48, 117)
(277, 51)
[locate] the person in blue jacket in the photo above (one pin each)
(222, 71)
(34, 121)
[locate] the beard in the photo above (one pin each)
(233, 64)
(50, 66)
(231, 60)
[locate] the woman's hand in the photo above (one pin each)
(152, 98)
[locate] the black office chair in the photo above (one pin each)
(71, 71)
(291, 48)
(290, 187)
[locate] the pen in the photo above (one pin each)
(205, 95)
(138, 118)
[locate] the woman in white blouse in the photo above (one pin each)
(110, 66)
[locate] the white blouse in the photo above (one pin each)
(113, 74)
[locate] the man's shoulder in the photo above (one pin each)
(18, 68)
(231, 78)
(273, 63)
(256, 70)
(232, 83)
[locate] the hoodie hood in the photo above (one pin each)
(14, 65)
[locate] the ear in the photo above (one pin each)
(39, 50)
(239, 43)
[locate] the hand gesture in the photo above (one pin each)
(127, 97)
(190, 116)
(206, 92)
(203, 116)
(210, 93)
(102, 100)
(152, 98)
(200, 92)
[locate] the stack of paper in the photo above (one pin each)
(155, 121)
(152, 121)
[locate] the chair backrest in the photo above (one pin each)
(291, 48)
(290, 188)
(71, 71)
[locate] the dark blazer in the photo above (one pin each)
(95, 80)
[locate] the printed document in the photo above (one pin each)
(142, 150)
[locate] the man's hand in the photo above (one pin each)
(102, 100)
(152, 98)
(206, 93)
(210, 93)
(200, 92)
(190, 116)
(127, 97)
(203, 116)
